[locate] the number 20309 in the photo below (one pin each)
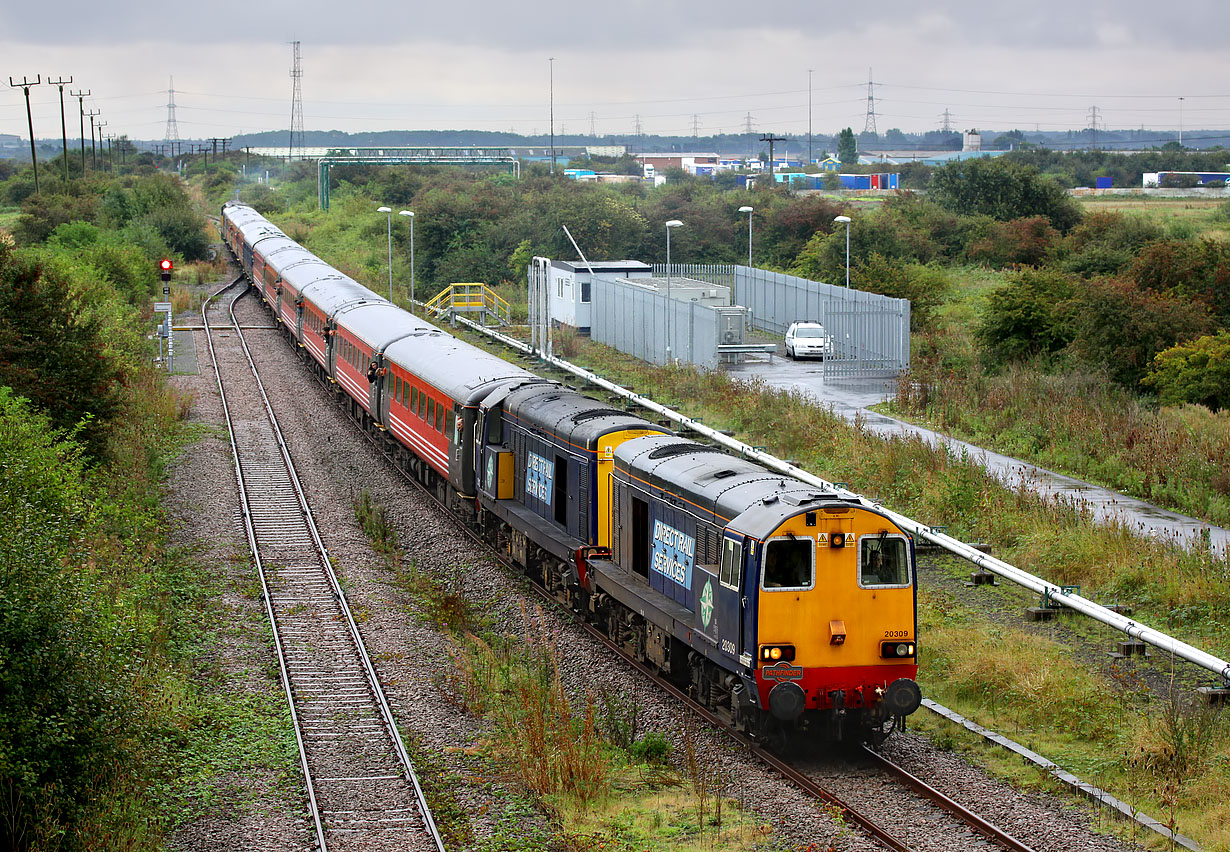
(896, 634)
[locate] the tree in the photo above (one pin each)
(1120, 327)
(1003, 189)
(1028, 317)
(1197, 372)
(847, 147)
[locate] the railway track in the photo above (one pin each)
(361, 786)
(964, 828)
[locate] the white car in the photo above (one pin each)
(808, 340)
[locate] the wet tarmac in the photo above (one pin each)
(850, 399)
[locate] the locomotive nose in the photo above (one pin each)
(902, 697)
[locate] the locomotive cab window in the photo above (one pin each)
(732, 561)
(883, 560)
(789, 563)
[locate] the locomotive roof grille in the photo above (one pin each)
(581, 417)
(681, 449)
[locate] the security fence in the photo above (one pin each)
(642, 322)
(870, 332)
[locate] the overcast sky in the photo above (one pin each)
(377, 65)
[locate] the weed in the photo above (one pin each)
(651, 748)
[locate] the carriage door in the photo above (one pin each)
(729, 603)
(495, 468)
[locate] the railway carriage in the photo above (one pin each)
(432, 392)
(316, 306)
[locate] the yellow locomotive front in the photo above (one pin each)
(835, 619)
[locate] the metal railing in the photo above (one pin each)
(470, 298)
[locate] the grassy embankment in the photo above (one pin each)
(600, 778)
(118, 723)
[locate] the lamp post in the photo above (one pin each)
(388, 211)
(1180, 122)
(673, 223)
(845, 220)
(748, 211)
(410, 213)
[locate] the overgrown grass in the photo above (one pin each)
(1083, 425)
(1169, 757)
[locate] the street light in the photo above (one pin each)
(673, 223)
(410, 213)
(748, 211)
(846, 220)
(389, 211)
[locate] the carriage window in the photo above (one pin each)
(789, 564)
(440, 418)
(431, 412)
(883, 561)
(449, 422)
(732, 558)
(397, 388)
(405, 394)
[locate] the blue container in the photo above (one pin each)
(1103, 182)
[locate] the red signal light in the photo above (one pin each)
(165, 265)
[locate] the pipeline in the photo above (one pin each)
(1134, 629)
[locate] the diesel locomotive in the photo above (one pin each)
(784, 609)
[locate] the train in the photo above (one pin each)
(787, 611)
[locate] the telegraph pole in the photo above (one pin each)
(81, 96)
(93, 147)
(63, 130)
(25, 85)
(809, 155)
(770, 138)
(100, 126)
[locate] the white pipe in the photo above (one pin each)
(989, 563)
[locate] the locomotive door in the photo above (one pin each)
(495, 462)
(729, 603)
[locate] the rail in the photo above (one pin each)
(1146, 634)
(251, 514)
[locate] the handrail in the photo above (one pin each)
(470, 297)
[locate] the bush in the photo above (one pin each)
(62, 716)
(651, 748)
(61, 344)
(1028, 317)
(924, 285)
(1121, 328)
(1003, 189)
(1198, 371)
(41, 214)
(1194, 270)
(1020, 241)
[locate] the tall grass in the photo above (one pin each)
(1083, 425)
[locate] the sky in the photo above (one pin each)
(673, 68)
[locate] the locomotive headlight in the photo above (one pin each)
(776, 653)
(897, 650)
